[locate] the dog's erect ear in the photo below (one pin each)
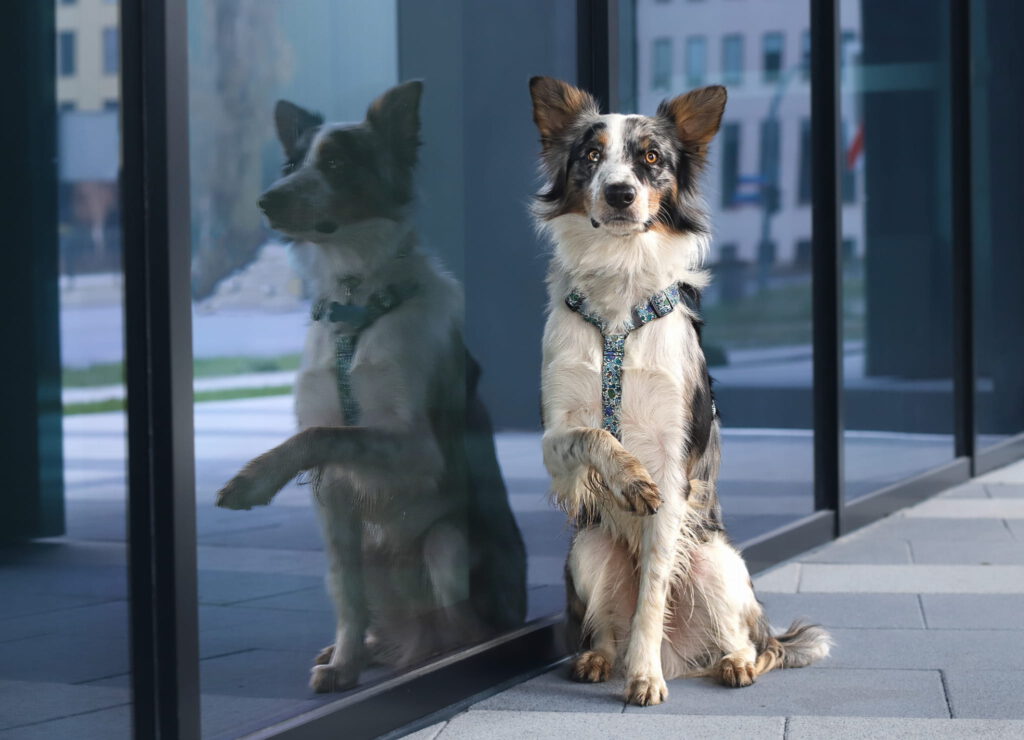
(395, 115)
(293, 121)
(696, 115)
(556, 105)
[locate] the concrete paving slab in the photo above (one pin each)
(887, 551)
(1016, 528)
(925, 649)
(555, 692)
(968, 553)
(944, 530)
(991, 508)
(833, 691)
(103, 724)
(232, 587)
(66, 657)
(974, 611)
(908, 579)
(895, 611)
(314, 598)
(513, 725)
(988, 694)
(970, 489)
(1005, 490)
(782, 579)
(427, 733)
(232, 716)
(29, 702)
(1010, 474)
(887, 728)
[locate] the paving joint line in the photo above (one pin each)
(945, 693)
(924, 616)
(65, 716)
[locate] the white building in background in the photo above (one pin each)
(88, 55)
(759, 50)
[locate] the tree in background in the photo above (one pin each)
(238, 60)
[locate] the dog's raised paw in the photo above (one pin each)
(736, 672)
(642, 496)
(324, 679)
(646, 691)
(591, 667)
(244, 492)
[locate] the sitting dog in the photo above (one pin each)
(424, 553)
(631, 434)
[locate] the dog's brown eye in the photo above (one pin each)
(288, 168)
(651, 157)
(594, 155)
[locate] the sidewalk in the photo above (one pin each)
(926, 611)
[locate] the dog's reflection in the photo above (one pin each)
(424, 553)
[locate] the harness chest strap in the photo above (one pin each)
(614, 350)
(352, 320)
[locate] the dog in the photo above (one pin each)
(424, 553)
(631, 430)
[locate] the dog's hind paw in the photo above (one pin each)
(646, 691)
(591, 667)
(324, 679)
(736, 672)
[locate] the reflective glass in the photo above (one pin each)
(64, 651)
(757, 335)
(364, 266)
(897, 309)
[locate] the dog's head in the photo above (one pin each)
(340, 174)
(626, 173)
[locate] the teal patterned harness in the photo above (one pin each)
(352, 321)
(660, 304)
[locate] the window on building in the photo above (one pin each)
(770, 137)
(772, 56)
(805, 54)
(66, 53)
(730, 163)
(732, 59)
(803, 189)
(848, 177)
(111, 52)
(111, 105)
(661, 64)
(66, 106)
(696, 61)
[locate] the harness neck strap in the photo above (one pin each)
(350, 321)
(658, 305)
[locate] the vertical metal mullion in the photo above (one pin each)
(593, 63)
(826, 262)
(158, 370)
(963, 272)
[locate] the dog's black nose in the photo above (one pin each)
(269, 201)
(619, 195)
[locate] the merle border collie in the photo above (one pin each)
(424, 553)
(631, 430)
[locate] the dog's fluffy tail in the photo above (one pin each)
(799, 646)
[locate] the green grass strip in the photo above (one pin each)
(112, 373)
(228, 394)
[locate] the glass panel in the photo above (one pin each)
(757, 336)
(362, 267)
(64, 662)
(896, 260)
(998, 221)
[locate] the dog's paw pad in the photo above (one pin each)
(324, 679)
(646, 691)
(736, 672)
(591, 667)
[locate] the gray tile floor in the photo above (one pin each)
(263, 611)
(925, 608)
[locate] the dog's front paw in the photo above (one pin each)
(591, 667)
(324, 679)
(646, 691)
(245, 492)
(736, 672)
(639, 493)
